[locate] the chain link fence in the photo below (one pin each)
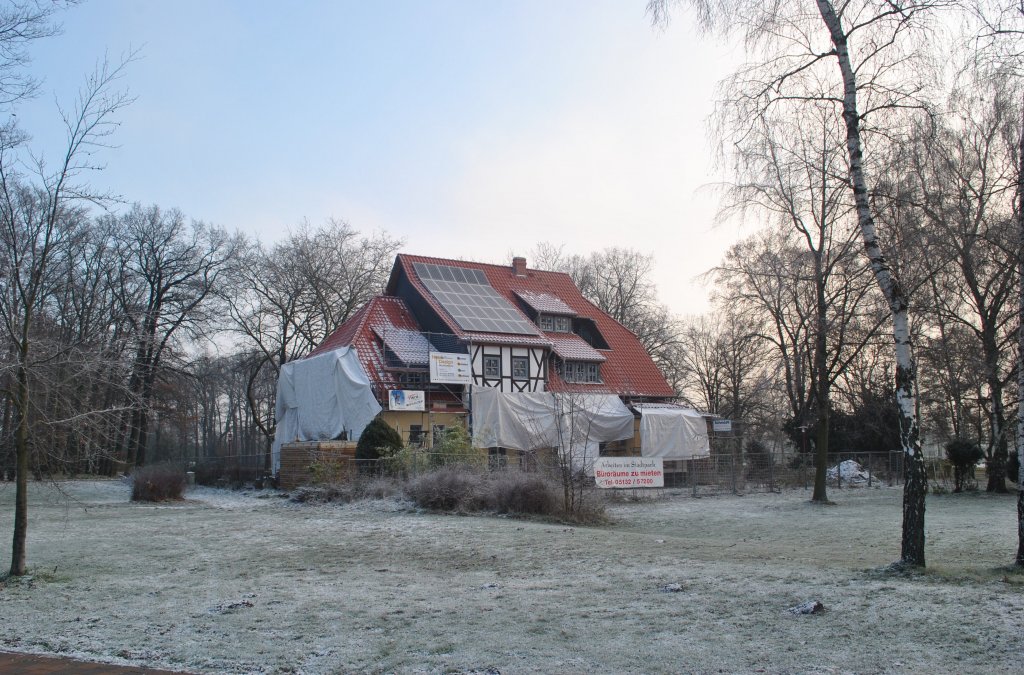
(724, 472)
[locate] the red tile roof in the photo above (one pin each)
(628, 370)
(361, 330)
(546, 303)
(571, 347)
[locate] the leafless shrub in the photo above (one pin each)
(359, 488)
(451, 488)
(158, 483)
(463, 490)
(515, 492)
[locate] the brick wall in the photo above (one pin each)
(316, 461)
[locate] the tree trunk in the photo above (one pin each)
(821, 375)
(915, 486)
(1020, 346)
(18, 557)
(996, 466)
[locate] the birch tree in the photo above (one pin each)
(857, 57)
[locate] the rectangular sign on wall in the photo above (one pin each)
(721, 426)
(406, 399)
(629, 472)
(450, 368)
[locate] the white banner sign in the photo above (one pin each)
(629, 472)
(404, 399)
(721, 425)
(450, 368)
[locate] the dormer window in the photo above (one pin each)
(555, 323)
(581, 371)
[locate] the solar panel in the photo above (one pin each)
(470, 299)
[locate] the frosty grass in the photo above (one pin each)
(239, 582)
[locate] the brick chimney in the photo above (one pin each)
(519, 266)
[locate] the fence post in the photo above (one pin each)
(732, 459)
(771, 471)
(693, 476)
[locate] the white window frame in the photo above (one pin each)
(492, 366)
(523, 361)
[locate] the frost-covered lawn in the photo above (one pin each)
(248, 582)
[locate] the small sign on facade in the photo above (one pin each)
(406, 399)
(721, 426)
(629, 472)
(450, 368)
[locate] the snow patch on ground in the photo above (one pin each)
(850, 471)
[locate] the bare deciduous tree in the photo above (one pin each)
(171, 269)
(286, 299)
(38, 219)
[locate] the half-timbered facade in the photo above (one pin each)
(508, 367)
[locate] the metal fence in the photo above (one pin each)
(721, 473)
(732, 472)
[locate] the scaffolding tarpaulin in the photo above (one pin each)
(672, 432)
(574, 423)
(322, 398)
(517, 420)
(586, 421)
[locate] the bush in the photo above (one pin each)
(759, 458)
(516, 492)
(209, 471)
(455, 447)
(378, 440)
(447, 489)
(346, 491)
(963, 455)
(158, 483)
(460, 489)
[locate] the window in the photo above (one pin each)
(520, 368)
(410, 378)
(415, 434)
(557, 324)
(581, 371)
(497, 458)
(492, 367)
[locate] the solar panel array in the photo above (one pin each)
(471, 300)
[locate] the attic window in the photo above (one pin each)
(581, 371)
(555, 323)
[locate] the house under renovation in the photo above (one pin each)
(519, 356)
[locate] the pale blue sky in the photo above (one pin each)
(469, 128)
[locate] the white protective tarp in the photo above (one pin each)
(517, 420)
(574, 423)
(322, 397)
(673, 433)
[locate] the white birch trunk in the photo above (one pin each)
(1020, 348)
(915, 487)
